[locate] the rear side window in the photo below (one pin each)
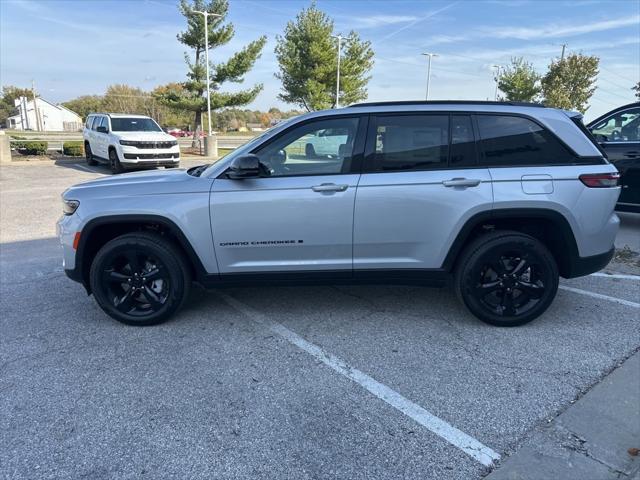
(463, 145)
(411, 142)
(510, 141)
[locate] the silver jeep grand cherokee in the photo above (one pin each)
(499, 199)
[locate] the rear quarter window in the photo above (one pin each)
(512, 141)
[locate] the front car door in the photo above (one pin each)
(420, 184)
(619, 136)
(298, 215)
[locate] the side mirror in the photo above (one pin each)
(102, 129)
(246, 166)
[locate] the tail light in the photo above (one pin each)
(600, 180)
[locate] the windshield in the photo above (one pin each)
(133, 124)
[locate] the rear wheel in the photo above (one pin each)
(140, 279)
(89, 154)
(114, 162)
(506, 278)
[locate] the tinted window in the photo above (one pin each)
(463, 146)
(508, 140)
(621, 127)
(323, 147)
(124, 124)
(411, 142)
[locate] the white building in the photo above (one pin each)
(49, 117)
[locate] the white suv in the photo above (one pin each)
(128, 141)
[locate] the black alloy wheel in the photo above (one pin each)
(89, 155)
(140, 279)
(114, 162)
(507, 278)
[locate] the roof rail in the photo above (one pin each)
(445, 102)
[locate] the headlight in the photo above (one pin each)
(129, 143)
(173, 143)
(69, 207)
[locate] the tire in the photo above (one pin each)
(506, 278)
(120, 282)
(89, 155)
(114, 162)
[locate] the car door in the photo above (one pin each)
(619, 136)
(298, 215)
(420, 183)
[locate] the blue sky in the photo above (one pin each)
(73, 48)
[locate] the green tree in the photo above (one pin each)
(570, 82)
(85, 105)
(519, 82)
(307, 56)
(636, 87)
(191, 96)
(9, 94)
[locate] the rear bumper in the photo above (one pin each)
(581, 266)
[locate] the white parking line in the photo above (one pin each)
(444, 430)
(86, 169)
(616, 275)
(599, 295)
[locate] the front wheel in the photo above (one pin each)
(140, 279)
(506, 278)
(114, 162)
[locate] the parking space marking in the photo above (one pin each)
(86, 169)
(443, 429)
(601, 296)
(616, 275)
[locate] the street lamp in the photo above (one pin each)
(339, 37)
(497, 79)
(206, 15)
(429, 56)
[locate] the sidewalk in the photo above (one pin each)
(588, 441)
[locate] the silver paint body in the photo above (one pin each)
(378, 221)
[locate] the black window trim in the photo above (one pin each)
(358, 144)
(608, 117)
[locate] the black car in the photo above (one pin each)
(618, 132)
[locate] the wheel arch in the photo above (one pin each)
(549, 226)
(98, 231)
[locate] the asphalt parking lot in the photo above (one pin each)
(305, 382)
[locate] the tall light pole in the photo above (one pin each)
(339, 37)
(497, 79)
(206, 15)
(429, 56)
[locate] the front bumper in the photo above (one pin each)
(149, 156)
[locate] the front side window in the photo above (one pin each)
(511, 141)
(88, 122)
(96, 123)
(133, 124)
(463, 145)
(322, 147)
(411, 142)
(621, 127)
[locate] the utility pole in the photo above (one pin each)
(564, 45)
(429, 56)
(339, 37)
(497, 79)
(35, 107)
(206, 15)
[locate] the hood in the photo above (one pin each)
(153, 182)
(145, 136)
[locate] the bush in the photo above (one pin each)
(73, 149)
(31, 148)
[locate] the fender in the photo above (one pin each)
(80, 272)
(570, 247)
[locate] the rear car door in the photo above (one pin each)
(297, 216)
(619, 136)
(420, 184)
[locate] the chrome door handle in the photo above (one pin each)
(329, 187)
(462, 182)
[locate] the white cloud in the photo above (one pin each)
(556, 30)
(381, 20)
